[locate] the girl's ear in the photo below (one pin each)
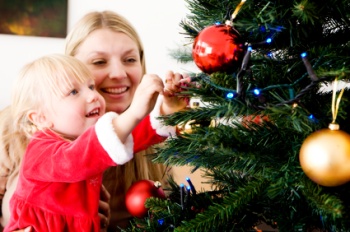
(39, 119)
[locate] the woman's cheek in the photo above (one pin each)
(99, 77)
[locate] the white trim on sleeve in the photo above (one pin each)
(156, 123)
(120, 153)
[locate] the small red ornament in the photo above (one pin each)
(257, 119)
(218, 48)
(137, 195)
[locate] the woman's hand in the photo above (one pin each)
(174, 83)
(104, 211)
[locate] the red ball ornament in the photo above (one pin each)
(137, 195)
(218, 48)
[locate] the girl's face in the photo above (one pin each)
(114, 60)
(79, 108)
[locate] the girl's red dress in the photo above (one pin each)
(59, 183)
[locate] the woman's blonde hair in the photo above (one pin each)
(102, 20)
(39, 82)
(117, 179)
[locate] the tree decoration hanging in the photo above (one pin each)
(138, 193)
(325, 154)
(219, 47)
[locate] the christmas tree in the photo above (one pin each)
(271, 129)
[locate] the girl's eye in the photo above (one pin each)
(92, 87)
(73, 92)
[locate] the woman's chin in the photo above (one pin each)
(118, 108)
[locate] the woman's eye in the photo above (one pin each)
(98, 62)
(131, 60)
(73, 92)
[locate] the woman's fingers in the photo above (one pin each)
(104, 208)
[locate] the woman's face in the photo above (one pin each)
(114, 60)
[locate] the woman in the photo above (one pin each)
(111, 48)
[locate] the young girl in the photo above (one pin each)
(72, 141)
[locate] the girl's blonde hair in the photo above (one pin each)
(117, 179)
(102, 20)
(39, 82)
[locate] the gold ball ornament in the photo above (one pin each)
(186, 128)
(325, 156)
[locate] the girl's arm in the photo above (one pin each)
(144, 100)
(50, 158)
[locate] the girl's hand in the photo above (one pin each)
(174, 83)
(146, 95)
(104, 209)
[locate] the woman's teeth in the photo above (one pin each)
(115, 90)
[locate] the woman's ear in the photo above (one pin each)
(39, 119)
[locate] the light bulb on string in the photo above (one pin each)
(313, 118)
(230, 95)
(192, 188)
(309, 69)
(161, 221)
(256, 92)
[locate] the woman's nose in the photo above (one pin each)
(117, 70)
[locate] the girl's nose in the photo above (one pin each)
(93, 96)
